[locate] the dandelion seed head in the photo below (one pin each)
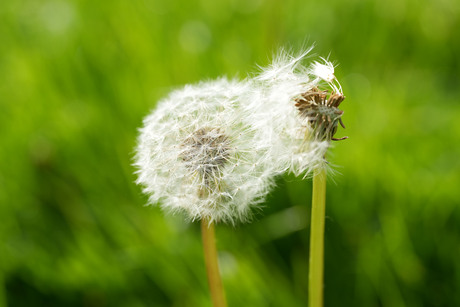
(301, 105)
(200, 153)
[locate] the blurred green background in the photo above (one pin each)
(76, 79)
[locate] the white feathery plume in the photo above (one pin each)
(324, 72)
(200, 153)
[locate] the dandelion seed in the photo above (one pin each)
(324, 71)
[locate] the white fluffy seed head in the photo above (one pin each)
(200, 153)
(302, 129)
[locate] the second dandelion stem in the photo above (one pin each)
(316, 266)
(212, 267)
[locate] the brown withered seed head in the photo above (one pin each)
(321, 112)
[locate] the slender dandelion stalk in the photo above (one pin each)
(212, 266)
(316, 272)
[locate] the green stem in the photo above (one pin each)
(212, 267)
(318, 210)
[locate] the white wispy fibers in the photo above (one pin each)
(301, 105)
(201, 153)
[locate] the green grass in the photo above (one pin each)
(76, 79)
